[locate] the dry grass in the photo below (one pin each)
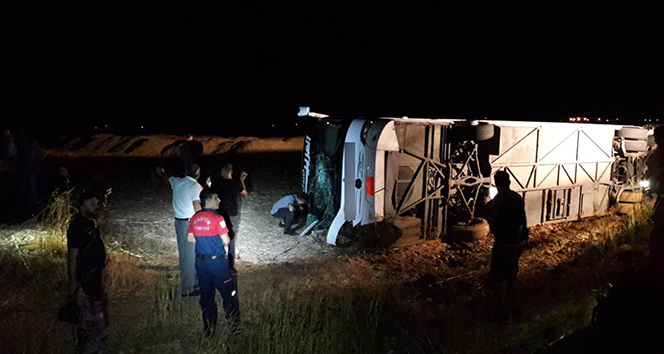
(34, 280)
(57, 214)
(277, 319)
(420, 299)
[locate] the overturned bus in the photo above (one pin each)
(363, 171)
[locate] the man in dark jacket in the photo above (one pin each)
(507, 219)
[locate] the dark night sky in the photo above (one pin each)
(235, 64)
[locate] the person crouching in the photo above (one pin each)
(208, 230)
(289, 209)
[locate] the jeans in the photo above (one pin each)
(187, 254)
(287, 215)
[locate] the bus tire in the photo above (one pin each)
(483, 131)
(476, 230)
(626, 208)
(633, 133)
(636, 145)
(630, 197)
(478, 132)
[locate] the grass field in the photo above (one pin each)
(299, 295)
(357, 303)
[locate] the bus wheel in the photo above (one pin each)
(630, 197)
(478, 132)
(474, 230)
(636, 145)
(633, 133)
(483, 131)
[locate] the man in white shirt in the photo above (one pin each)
(186, 202)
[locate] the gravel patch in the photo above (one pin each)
(140, 213)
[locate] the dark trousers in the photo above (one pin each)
(656, 242)
(91, 284)
(215, 274)
(26, 190)
(505, 261)
(7, 195)
(503, 272)
(287, 215)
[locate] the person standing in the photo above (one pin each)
(8, 150)
(186, 202)
(189, 150)
(86, 260)
(27, 171)
(655, 175)
(8, 158)
(507, 220)
(209, 233)
(288, 209)
(231, 193)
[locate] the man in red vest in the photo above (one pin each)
(208, 230)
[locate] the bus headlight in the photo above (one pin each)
(644, 184)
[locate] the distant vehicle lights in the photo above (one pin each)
(586, 119)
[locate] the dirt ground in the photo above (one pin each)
(435, 276)
(140, 225)
(140, 204)
(140, 209)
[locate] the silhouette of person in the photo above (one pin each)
(507, 219)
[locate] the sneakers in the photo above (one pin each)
(289, 232)
(196, 292)
(282, 224)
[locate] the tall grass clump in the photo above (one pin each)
(34, 279)
(124, 276)
(58, 213)
(636, 229)
(45, 231)
(305, 323)
(31, 276)
(273, 321)
(633, 231)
